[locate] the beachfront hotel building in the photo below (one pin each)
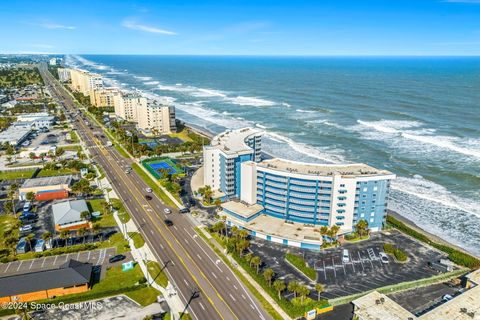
(104, 97)
(85, 82)
(128, 104)
(155, 119)
(63, 74)
(286, 201)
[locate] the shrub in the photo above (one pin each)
(457, 256)
(300, 263)
(400, 255)
(388, 248)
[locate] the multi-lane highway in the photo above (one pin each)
(191, 264)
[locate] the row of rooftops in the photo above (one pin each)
(232, 142)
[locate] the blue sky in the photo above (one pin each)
(322, 27)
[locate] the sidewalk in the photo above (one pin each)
(246, 275)
(144, 253)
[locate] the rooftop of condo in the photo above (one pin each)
(233, 141)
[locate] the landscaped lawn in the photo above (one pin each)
(182, 135)
(137, 238)
(122, 213)
(156, 272)
(24, 174)
(118, 241)
(56, 172)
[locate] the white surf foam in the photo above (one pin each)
(305, 111)
(151, 83)
(143, 78)
(250, 101)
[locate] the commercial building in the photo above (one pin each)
(85, 82)
(37, 151)
(155, 119)
(45, 184)
(104, 97)
(465, 306)
(15, 135)
(128, 104)
(68, 215)
(71, 277)
(278, 193)
(63, 74)
(35, 120)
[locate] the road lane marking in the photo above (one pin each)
(201, 306)
(243, 296)
(199, 256)
(235, 287)
(233, 298)
(214, 275)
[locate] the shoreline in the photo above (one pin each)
(408, 222)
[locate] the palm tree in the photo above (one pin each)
(334, 230)
(256, 261)
(268, 275)
(96, 228)
(303, 292)
(81, 233)
(362, 227)
(319, 288)
(64, 235)
(29, 238)
(323, 230)
(293, 287)
(243, 234)
(42, 157)
(248, 257)
(279, 285)
(30, 196)
(12, 194)
(32, 155)
(217, 203)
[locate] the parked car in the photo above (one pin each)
(345, 256)
(383, 257)
(26, 228)
(23, 246)
(168, 222)
(167, 210)
(27, 206)
(184, 210)
(28, 216)
(118, 257)
(39, 245)
(447, 297)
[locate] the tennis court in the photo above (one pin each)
(157, 166)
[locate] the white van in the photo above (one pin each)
(345, 256)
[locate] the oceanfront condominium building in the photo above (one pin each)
(104, 97)
(306, 193)
(154, 119)
(127, 105)
(85, 82)
(223, 157)
(63, 74)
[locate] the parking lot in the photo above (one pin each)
(364, 270)
(96, 257)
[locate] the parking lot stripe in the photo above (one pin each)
(334, 271)
(78, 255)
(88, 258)
(31, 264)
(21, 261)
(8, 266)
(360, 258)
(343, 266)
(324, 270)
(353, 262)
(55, 261)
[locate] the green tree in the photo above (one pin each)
(303, 291)
(268, 276)
(293, 287)
(64, 235)
(279, 286)
(82, 186)
(256, 262)
(85, 215)
(32, 155)
(319, 288)
(30, 196)
(362, 227)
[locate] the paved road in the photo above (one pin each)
(191, 263)
(96, 257)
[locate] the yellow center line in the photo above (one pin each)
(169, 243)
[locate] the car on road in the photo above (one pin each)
(26, 228)
(168, 222)
(127, 171)
(383, 257)
(167, 210)
(118, 257)
(184, 210)
(345, 256)
(447, 297)
(149, 190)
(148, 197)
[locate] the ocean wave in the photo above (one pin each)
(305, 111)
(205, 93)
(250, 101)
(151, 83)
(402, 129)
(143, 78)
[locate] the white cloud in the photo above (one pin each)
(52, 25)
(141, 27)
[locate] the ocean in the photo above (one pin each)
(417, 117)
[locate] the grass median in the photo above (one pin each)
(157, 274)
(158, 191)
(299, 263)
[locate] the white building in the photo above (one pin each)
(14, 135)
(84, 82)
(155, 119)
(37, 151)
(53, 61)
(127, 105)
(35, 120)
(63, 74)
